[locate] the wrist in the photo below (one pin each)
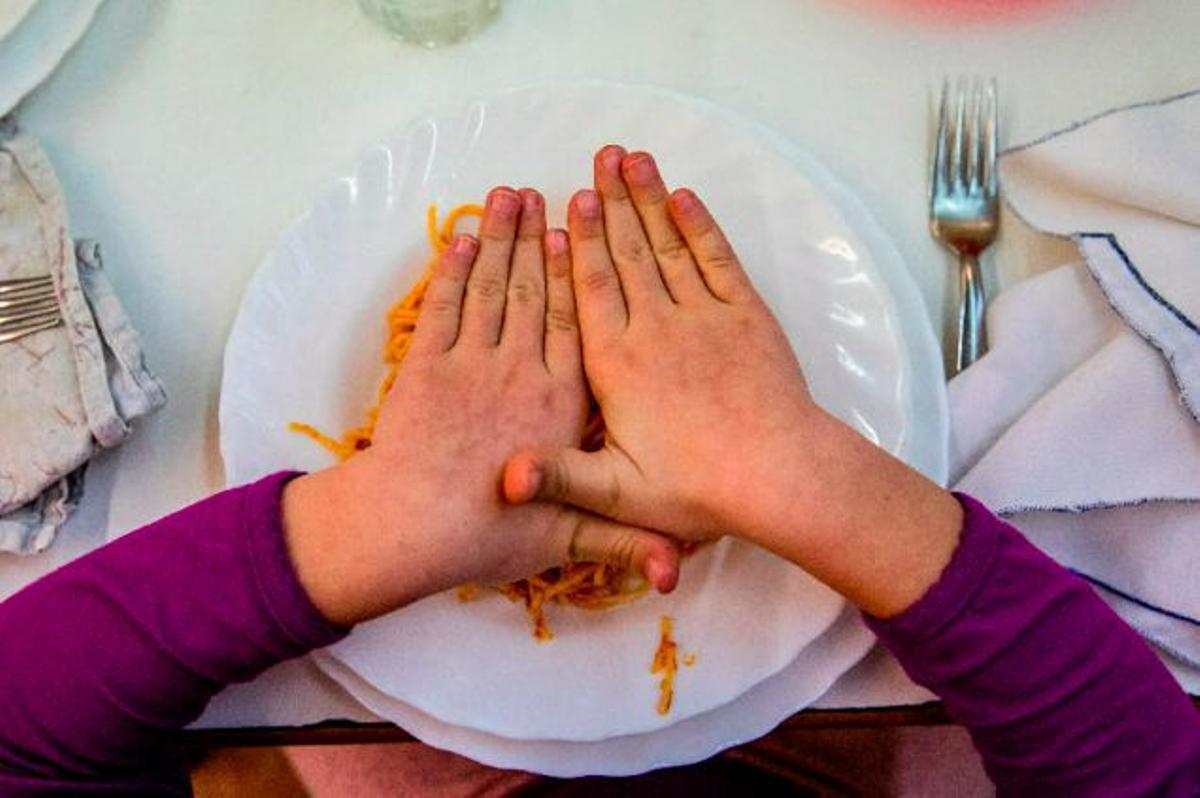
(792, 480)
(336, 539)
(860, 520)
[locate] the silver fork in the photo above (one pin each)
(963, 207)
(27, 305)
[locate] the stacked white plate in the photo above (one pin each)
(767, 638)
(34, 37)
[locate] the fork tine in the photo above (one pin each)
(956, 154)
(989, 149)
(9, 287)
(24, 320)
(48, 301)
(26, 315)
(42, 278)
(13, 334)
(939, 179)
(975, 144)
(16, 300)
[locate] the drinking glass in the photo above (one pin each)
(431, 23)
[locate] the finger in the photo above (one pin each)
(627, 241)
(525, 307)
(483, 308)
(590, 480)
(598, 294)
(675, 262)
(595, 539)
(437, 326)
(723, 272)
(563, 357)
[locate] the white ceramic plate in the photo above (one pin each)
(836, 283)
(753, 714)
(11, 14)
(38, 38)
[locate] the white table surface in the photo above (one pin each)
(188, 134)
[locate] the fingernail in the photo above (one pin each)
(531, 201)
(465, 245)
(685, 200)
(504, 202)
(536, 478)
(556, 242)
(655, 572)
(587, 203)
(611, 157)
(641, 167)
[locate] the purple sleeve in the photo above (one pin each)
(1060, 696)
(104, 658)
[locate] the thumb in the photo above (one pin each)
(595, 539)
(570, 476)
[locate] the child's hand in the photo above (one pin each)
(494, 367)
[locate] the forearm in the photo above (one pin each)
(1057, 692)
(1059, 695)
(353, 555)
(874, 530)
(105, 656)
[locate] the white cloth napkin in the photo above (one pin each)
(67, 392)
(1081, 423)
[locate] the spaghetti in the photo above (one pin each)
(591, 586)
(665, 662)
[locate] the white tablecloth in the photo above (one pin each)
(187, 134)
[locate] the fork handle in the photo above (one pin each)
(972, 338)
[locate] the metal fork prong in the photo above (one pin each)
(16, 300)
(9, 281)
(989, 133)
(26, 314)
(11, 287)
(40, 303)
(30, 329)
(956, 154)
(25, 319)
(975, 137)
(941, 152)
(44, 303)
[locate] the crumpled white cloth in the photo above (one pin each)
(1082, 424)
(67, 392)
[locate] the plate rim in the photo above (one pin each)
(14, 22)
(714, 733)
(67, 33)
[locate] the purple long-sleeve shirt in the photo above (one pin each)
(104, 658)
